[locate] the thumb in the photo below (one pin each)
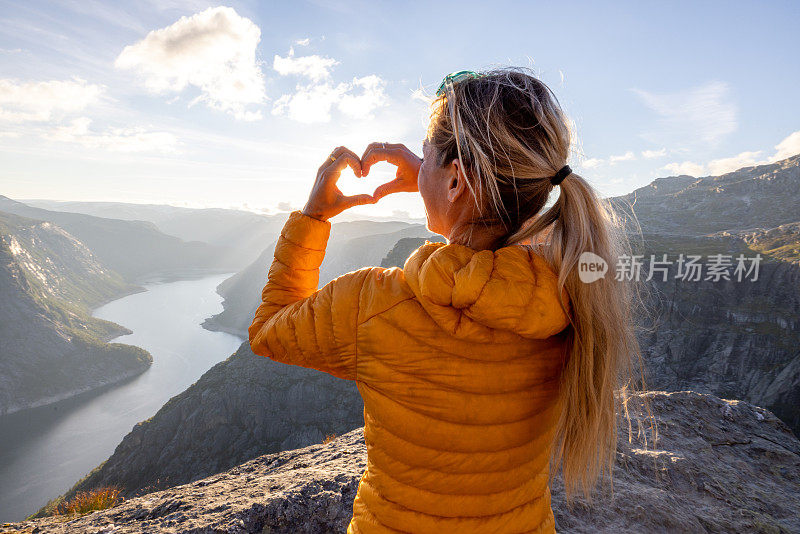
(358, 200)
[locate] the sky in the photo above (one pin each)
(236, 105)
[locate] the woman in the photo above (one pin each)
(481, 361)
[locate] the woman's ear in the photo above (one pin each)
(456, 183)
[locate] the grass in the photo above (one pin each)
(85, 502)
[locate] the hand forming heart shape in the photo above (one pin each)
(326, 200)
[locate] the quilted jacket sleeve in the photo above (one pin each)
(298, 324)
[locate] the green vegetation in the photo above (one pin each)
(89, 501)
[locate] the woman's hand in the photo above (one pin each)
(326, 200)
(407, 163)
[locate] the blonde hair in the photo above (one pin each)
(510, 135)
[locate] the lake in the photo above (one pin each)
(44, 451)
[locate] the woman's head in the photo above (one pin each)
(494, 142)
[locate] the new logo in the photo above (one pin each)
(591, 267)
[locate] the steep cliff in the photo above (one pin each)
(50, 346)
(714, 465)
(733, 339)
(729, 337)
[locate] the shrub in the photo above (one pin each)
(88, 501)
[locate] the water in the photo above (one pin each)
(45, 450)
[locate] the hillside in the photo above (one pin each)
(50, 346)
(134, 249)
(717, 466)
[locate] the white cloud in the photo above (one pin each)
(591, 163)
(115, 139)
(214, 51)
(361, 105)
(650, 154)
(303, 42)
(309, 104)
(687, 167)
(43, 101)
(313, 103)
(703, 114)
(314, 67)
(725, 165)
(788, 147)
(627, 156)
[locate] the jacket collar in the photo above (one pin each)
(487, 295)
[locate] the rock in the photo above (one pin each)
(714, 466)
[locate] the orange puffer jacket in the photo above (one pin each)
(458, 361)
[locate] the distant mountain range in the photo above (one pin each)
(50, 345)
(763, 196)
(242, 234)
(134, 249)
(239, 235)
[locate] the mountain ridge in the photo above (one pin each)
(49, 281)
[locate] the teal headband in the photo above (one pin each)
(454, 77)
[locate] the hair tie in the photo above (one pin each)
(560, 175)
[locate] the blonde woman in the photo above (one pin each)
(484, 363)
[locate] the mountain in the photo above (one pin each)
(135, 249)
(50, 345)
(714, 466)
(736, 339)
(242, 234)
(351, 245)
(763, 196)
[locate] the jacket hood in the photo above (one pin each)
(485, 294)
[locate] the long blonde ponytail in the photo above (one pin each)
(510, 135)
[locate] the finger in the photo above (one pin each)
(386, 189)
(345, 158)
(335, 153)
(358, 200)
(375, 154)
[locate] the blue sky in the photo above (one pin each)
(197, 104)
